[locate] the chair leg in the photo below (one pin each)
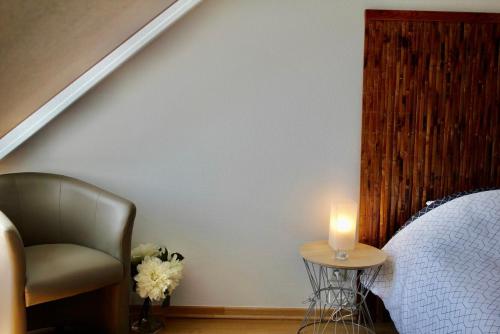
(116, 308)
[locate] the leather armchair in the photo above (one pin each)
(64, 254)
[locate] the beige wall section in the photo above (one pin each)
(231, 132)
(45, 45)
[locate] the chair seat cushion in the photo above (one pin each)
(55, 271)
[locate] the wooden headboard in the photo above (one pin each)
(431, 112)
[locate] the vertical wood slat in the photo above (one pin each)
(431, 113)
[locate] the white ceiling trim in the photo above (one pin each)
(94, 75)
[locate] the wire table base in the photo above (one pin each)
(338, 301)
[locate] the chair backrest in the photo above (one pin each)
(49, 208)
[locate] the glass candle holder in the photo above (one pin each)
(342, 236)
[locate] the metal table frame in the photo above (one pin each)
(338, 299)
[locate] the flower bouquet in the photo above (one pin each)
(156, 274)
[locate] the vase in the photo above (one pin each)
(147, 323)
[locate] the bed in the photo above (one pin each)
(443, 269)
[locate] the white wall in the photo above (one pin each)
(232, 133)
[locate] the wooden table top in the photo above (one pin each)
(362, 256)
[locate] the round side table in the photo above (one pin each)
(339, 288)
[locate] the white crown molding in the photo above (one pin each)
(94, 75)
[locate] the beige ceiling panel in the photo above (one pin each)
(45, 45)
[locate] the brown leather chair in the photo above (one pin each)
(64, 255)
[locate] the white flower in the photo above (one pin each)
(143, 250)
(155, 278)
(175, 270)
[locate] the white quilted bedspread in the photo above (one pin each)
(443, 269)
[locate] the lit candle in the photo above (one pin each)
(342, 237)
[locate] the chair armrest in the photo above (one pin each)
(13, 278)
(114, 220)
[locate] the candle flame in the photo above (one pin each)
(344, 224)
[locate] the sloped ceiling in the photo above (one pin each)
(45, 45)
